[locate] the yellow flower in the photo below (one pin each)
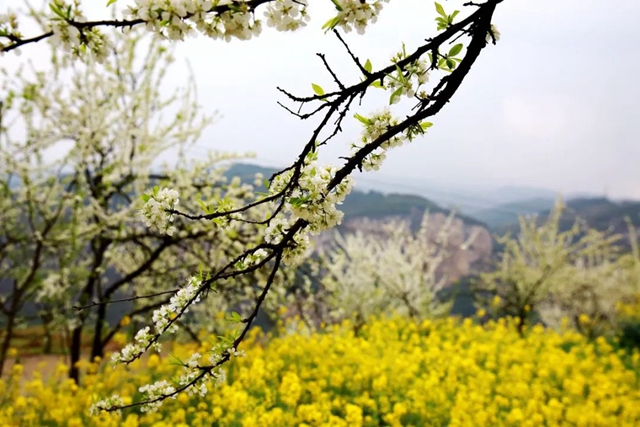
(353, 415)
(126, 320)
(20, 402)
(12, 352)
(394, 371)
(153, 361)
(17, 369)
(75, 422)
(584, 319)
(120, 339)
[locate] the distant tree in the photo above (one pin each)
(393, 271)
(552, 274)
(595, 288)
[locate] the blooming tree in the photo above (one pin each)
(593, 289)
(394, 271)
(553, 273)
(76, 152)
(302, 199)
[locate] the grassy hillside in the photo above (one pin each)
(372, 204)
(508, 213)
(598, 212)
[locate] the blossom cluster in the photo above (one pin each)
(157, 209)
(8, 25)
(357, 14)
(85, 42)
(154, 392)
(163, 322)
(374, 127)
(178, 19)
(255, 257)
(192, 371)
(287, 15)
(90, 43)
(109, 402)
(310, 200)
(407, 82)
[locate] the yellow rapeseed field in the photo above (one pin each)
(393, 373)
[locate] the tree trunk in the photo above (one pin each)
(6, 341)
(47, 346)
(12, 312)
(97, 347)
(98, 246)
(521, 323)
(75, 352)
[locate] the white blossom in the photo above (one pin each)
(162, 319)
(105, 404)
(287, 15)
(358, 14)
(154, 391)
(156, 209)
(495, 32)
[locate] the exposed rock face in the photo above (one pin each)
(461, 261)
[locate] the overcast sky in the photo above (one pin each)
(555, 104)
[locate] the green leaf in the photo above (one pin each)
(453, 16)
(368, 66)
(362, 119)
(234, 317)
(110, 2)
(145, 197)
(440, 9)
(400, 74)
(425, 125)
(317, 89)
(377, 84)
(335, 2)
(451, 64)
(57, 10)
(297, 201)
(398, 92)
(455, 49)
(204, 206)
(331, 24)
